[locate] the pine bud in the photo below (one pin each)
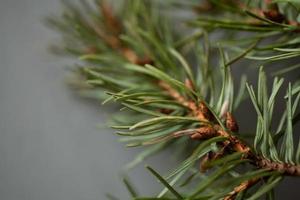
(189, 84)
(204, 112)
(274, 16)
(205, 160)
(231, 123)
(204, 133)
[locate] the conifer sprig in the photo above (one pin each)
(173, 94)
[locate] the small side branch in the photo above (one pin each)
(240, 188)
(284, 168)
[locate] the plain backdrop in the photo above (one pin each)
(51, 147)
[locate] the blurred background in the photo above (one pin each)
(52, 143)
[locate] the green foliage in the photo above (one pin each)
(160, 67)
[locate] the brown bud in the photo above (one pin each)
(204, 112)
(91, 50)
(112, 41)
(189, 84)
(297, 170)
(205, 6)
(225, 149)
(144, 61)
(166, 111)
(204, 133)
(110, 20)
(240, 147)
(231, 123)
(274, 15)
(129, 55)
(204, 161)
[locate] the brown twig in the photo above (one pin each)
(242, 187)
(284, 168)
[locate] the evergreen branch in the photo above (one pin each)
(204, 114)
(171, 95)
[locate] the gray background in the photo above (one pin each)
(50, 145)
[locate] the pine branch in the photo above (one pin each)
(171, 94)
(212, 130)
